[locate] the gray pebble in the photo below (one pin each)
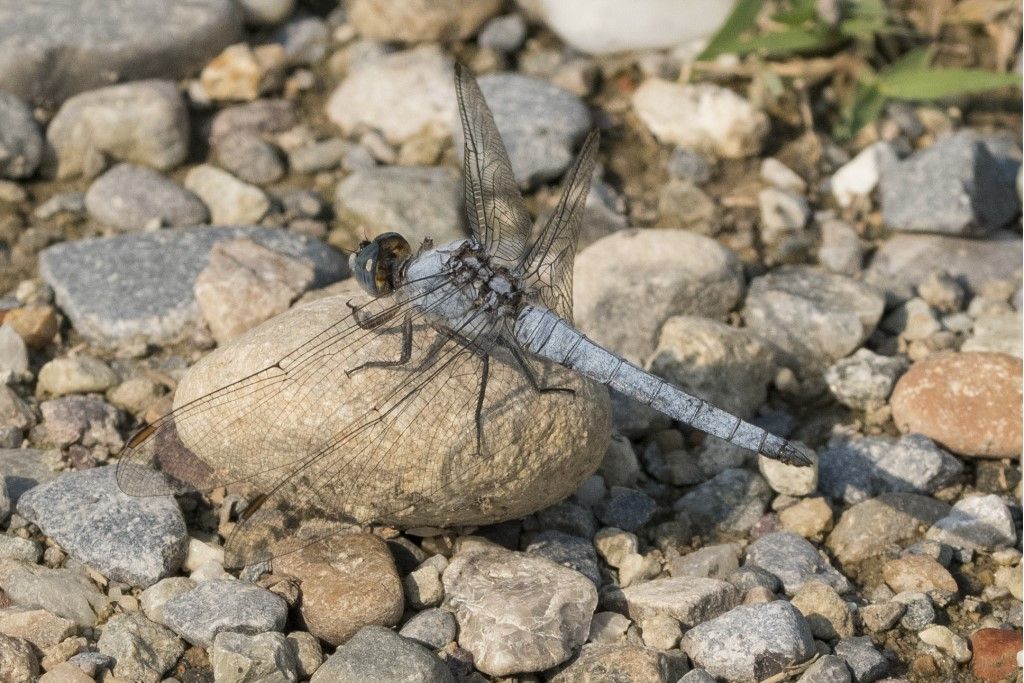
(21, 142)
(626, 508)
(689, 165)
(64, 202)
(569, 551)
(22, 469)
(141, 285)
(570, 518)
(88, 420)
(324, 155)
(539, 123)
(864, 380)
(135, 540)
(304, 39)
(504, 34)
(433, 628)
(977, 522)
(859, 468)
(918, 610)
(53, 50)
(224, 605)
(249, 157)
(143, 650)
(794, 561)
(828, 669)
(130, 197)
(751, 642)
(376, 653)
(866, 663)
(259, 117)
(732, 500)
(13, 356)
(17, 548)
(239, 657)
(957, 186)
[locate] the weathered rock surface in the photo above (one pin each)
(379, 654)
(891, 518)
(518, 612)
(537, 457)
(224, 605)
(135, 540)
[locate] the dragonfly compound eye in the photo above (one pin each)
(378, 264)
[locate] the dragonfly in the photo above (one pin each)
(474, 321)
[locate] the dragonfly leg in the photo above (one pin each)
(402, 359)
(485, 370)
(369, 322)
(531, 374)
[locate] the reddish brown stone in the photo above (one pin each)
(347, 581)
(995, 653)
(969, 402)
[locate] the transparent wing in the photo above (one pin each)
(547, 266)
(344, 465)
(495, 209)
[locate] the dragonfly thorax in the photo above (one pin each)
(491, 288)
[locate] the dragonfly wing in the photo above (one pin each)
(495, 209)
(547, 267)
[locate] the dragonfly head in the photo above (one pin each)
(378, 265)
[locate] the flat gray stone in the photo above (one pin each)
(224, 605)
(687, 599)
(25, 468)
(905, 261)
(889, 519)
(142, 649)
(853, 470)
(828, 669)
(66, 592)
(794, 560)
(958, 186)
(50, 51)
(812, 317)
(141, 285)
(135, 540)
(539, 123)
(518, 612)
(417, 202)
(433, 628)
(626, 508)
(379, 654)
(732, 500)
(864, 380)
(145, 122)
(130, 197)
(751, 642)
(21, 142)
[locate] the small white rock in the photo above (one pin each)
(859, 176)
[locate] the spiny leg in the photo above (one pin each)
(485, 371)
(531, 375)
(402, 359)
(371, 322)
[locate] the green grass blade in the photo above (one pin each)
(918, 84)
(742, 19)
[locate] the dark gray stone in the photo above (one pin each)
(751, 642)
(732, 500)
(853, 470)
(224, 605)
(21, 142)
(416, 201)
(794, 560)
(957, 186)
(828, 669)
(626, 508)
(379, 654)
(135, 540)
(812, 317)
(746, 578)
(569, 551)
(905, 261)
(250, 158)
(304, 39)
(539, 123)
(141, 285)
(130, 197)
(569, 517)
(866, 663)
(433, 628)
(50, 51)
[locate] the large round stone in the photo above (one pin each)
(418, 465)
(969, 402)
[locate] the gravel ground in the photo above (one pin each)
(863, 298)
